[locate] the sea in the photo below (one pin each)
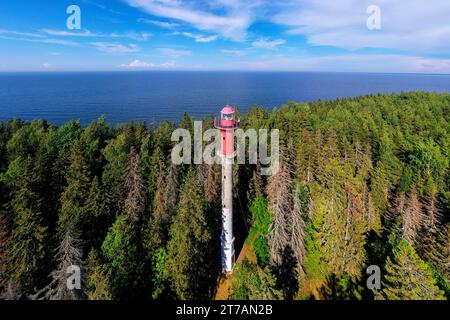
(156, 96)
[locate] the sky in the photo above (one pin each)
(258, 35)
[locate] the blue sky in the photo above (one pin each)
(259, 35)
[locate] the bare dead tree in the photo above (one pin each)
(369, 209)
(11, 291)
(69, 254)
(280, 204)
(433, 241)
(133, 186)
(358, 154)
(433, 215)
(413, 218)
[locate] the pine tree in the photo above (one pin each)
(4, 245)
(408, 277)
(306, 157)
(287, 231)
(256, 186)
(122, 258)
(210, 184)
(158, 226)
(75, 194)
(280, 205)
(251, 282)
(133, 188)
(171, 192)
(413, 218)
(297, 224)
(28, 241)
(97, 281)
(116, 154)
(259, 231)
(188, 253)
(96, 218)
(337, 232)
(432, 240)
(160, 214)
(69, 255)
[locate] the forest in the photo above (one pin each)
(362, 181)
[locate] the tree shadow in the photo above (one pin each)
(287, 275)
(339, 288)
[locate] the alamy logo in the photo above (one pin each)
(74, 20)
(188, 150)
(374, 280)
(74, 278)
(374, 20)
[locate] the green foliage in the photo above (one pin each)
(121, 256)
(75, 194)
(260, 229)
(28, 242)
(251, 282)
(408, 277)
(351, 162)
(161, 273)
(189, 249)
(97, 283)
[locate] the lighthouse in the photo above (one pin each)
(227, 124)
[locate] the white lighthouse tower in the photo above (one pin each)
(227, 124)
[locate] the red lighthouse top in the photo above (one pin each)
(227, 119)
(227, 110)
(227, 123)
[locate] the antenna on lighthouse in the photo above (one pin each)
(227, 124)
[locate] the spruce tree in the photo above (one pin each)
(188, 253)
(4, 245)
(408, 277)
(133, 188)
(96, 218)
(75, 194)
(97, 280)
(251, 282)
(69, 256)
(28, 242)
(123, 261)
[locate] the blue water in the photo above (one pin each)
(155, 96)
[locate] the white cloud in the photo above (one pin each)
(411, 25)
(268, 44)
(232, 23)
(105, 8)
(112, 47)
(173, 52)
(349, 63)
(198, 37)
(161, 24)
(46, 65)
(235, 52)
(41, 40)
(19, 33)
(86, 33)
(138, 64)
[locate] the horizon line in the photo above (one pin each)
(222, 71)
